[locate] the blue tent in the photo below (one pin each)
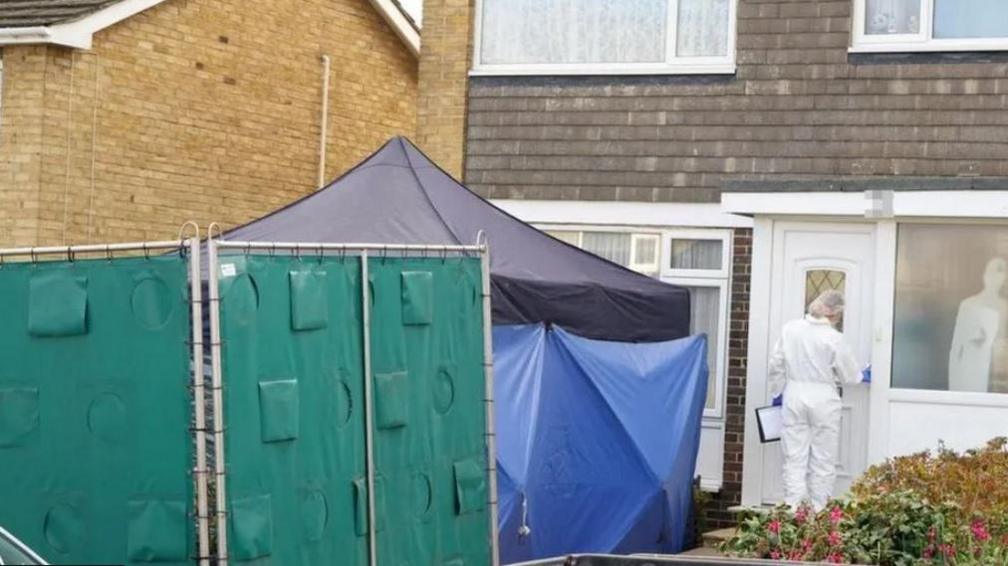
(597, 442)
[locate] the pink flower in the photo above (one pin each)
(948, 550)
(928, 553)
(835, 558)
(835, 539)
(980, 531)
(835, 515)
(775, 555)
(801, 515)
(774, 527)
(806, 545)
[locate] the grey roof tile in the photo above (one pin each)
(28, 13)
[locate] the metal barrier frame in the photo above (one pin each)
(364, 251)
(191, 246)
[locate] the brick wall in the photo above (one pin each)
(799, 107)
(716, 513)
(195, 109)
(445, 57)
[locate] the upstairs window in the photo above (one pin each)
(930, 25)
(604, 36)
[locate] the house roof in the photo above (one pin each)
(73, 22)
(28, 13)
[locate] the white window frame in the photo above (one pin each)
(725, 236)
(720, 341)
(635, 239)
(921, 41)
(673, 66)
(720, 278)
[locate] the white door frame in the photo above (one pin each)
(761, 305)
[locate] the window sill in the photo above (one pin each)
(611, 70)
(930, 47)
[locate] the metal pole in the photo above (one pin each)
(218, 399)
(488, 378)
(354, 247)
(93, 248)
(368, 412)
(196, 298)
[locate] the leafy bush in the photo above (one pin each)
(923, 509)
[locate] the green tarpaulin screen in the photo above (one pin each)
(95, 410)
(293, 364)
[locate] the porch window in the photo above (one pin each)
(930, 25)
(604, 36)
(951, 311)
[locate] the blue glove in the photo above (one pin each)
(778, 400)
(866, 374)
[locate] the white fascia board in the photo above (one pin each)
(77, 33)
(609, 213)
(400, 24)
(951, 204)
(906, 204)
(805, 203)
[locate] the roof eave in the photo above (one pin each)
(77, 33)
(401, 25)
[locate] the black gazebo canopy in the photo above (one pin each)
(398, 195)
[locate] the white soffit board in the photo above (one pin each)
(608, 213)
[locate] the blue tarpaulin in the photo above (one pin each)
(597, 442)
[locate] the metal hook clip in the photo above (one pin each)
(321, 253)
(34, 256)
(248, 248)
(146, 251)
(108, 253)
(444, 254)
(384, 253)
(70, 254)
(297, 251)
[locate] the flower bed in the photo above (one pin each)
(942, 508)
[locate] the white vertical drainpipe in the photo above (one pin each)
(324, 125)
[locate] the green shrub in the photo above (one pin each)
(924, 509)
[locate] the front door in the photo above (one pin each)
(809, 258)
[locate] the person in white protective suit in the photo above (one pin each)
(809, 364)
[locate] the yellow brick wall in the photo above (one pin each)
(203, 110)
(445, 56)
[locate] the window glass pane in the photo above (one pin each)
(818, 281)
(951, 328)
(573, 31)
(706, 318)
(613, 246)
(569, 236)
(703, 28)
(970, 18)
(696, 254)
(646, 250)
(892, 17)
